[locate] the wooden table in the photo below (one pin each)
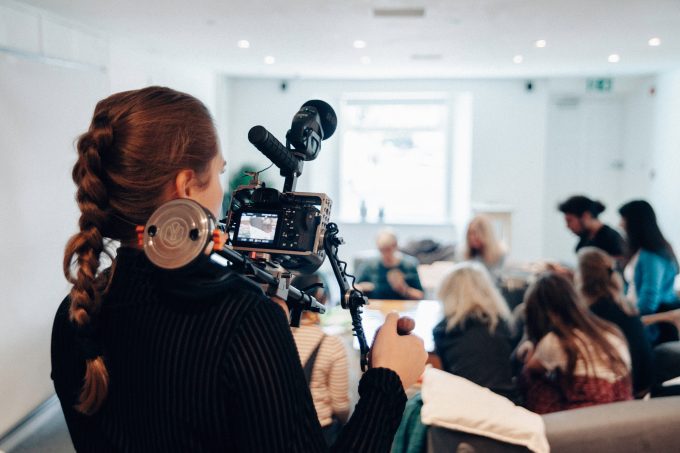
(426, 313)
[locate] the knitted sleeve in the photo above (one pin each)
(270, 405)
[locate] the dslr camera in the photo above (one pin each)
(286, 228)
(268, 230)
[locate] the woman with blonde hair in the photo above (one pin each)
(474, 339)
(602, 289)
(481, 244)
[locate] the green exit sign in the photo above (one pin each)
(603, 85)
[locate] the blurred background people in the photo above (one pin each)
(474, 339)
(573, 358)
(581, 216)
(652, 267)
(393, 275)
(602, 289)
(481, 245)
(324, 360)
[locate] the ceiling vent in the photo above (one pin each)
(398, 12)
(567, 102)
(426, 56)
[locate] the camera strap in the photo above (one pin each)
(309, 364)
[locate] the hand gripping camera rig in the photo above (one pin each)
(271, 234)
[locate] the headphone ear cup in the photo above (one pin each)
(177, 233)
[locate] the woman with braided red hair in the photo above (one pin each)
(150, 360)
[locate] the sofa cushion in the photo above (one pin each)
(630, 426)
(455, 403)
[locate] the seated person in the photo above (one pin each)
(572, 358)
(652, 267)
(261, 227)
(580, 215)
(481, 245)
(324, 360)
(602, 289)
(393, 275)
(474, 339)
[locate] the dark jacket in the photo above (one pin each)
(638, 343)
(469, 350)
(374, 271)
(607, 239)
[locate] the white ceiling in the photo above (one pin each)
(453, 38)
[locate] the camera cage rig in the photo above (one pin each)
(182, 231)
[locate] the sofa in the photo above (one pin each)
(626, 427)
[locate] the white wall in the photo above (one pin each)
(639, 124)
(665, 157)
(52, 73)
(39, 214)
(598, 144)
(131, 68)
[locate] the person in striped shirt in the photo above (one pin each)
(324, 359)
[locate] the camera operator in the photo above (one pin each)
(145, 359)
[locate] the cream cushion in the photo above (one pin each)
(455, 403)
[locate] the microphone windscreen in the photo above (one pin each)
(329, 121)
(257, 135)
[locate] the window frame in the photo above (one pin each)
(401, 98)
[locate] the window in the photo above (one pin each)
(394, 164)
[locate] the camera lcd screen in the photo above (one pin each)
(257, 228)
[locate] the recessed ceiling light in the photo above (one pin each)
(654, 42)
(269, 59)
(541, 43)
(243, 44)
(613, 58)
(517, 59)
(366, 60)
(359, 44)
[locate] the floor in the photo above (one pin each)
(45, 433)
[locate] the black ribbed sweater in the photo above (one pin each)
(199, 363)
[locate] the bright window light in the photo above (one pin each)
(394, 161)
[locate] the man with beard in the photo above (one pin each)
(580, 215)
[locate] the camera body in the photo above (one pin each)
(286, 227)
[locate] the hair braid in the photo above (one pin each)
(128, 159)
(86, 246)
